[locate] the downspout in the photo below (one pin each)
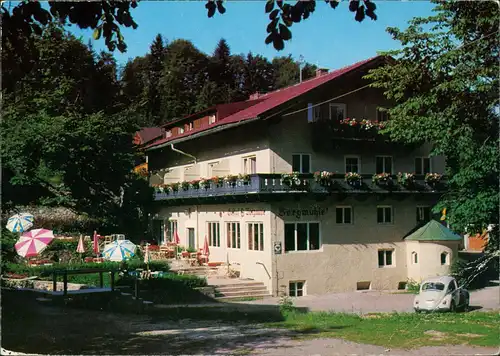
(183, 153)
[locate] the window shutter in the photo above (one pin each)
(310, 112)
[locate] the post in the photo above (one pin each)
(112, 281)
(65, 283)
(54, 281)
(101, 280)
(136, 292)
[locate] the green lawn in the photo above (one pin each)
(406, 330)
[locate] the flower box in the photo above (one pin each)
(353, 179)
(244, 178)
(205, 183)
(382, 179)
(433, 178)
(324, 178)
(293, 180)
(217, 181)
(231, 179)
(407, 180)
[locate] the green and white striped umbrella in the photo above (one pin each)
(119, 250)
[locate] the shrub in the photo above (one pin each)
(412, 286)
(286, 304)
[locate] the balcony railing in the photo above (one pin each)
(302, 184)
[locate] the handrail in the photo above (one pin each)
(67, 272)
(265, 268)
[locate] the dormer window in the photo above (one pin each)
(181, 130)
(168, 133)
(211, 119)
(190, 126)
(337, 111)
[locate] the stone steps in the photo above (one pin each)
(234, 291)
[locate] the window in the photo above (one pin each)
(190, 126)
(301, 236)
(337, 111)
(181, 130)
(214, 234)
(250, 165)
(343, 215)
(168, 133)
(352, 164)
(211, 167)
(301, 163)
(233, 235)
(444, 259)
(414, 257)
(171, 229)
(423, 214)
(211, 119)
(313, 112)
(385, 258)
(256, 236)
(382, 115)
(452, 287)
(383, 164)
(296, 289)
(384, 214)
(422, 165)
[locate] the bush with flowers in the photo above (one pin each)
(291, 179)
(205, 183)
(217, 181)
(231, 179)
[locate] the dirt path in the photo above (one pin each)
(52, 330)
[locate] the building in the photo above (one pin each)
(242, 176)
(141, 139)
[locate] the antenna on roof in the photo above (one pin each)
(301, 66)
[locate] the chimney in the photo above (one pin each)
(254, 96)
(321, 71)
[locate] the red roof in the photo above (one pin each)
(148, 134)
(271, 100)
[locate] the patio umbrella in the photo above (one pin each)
(119, 250)
(20, 222)
(206, 250)
(147, 255)
(80, 248)
(33, 242)
(96, 243)
(177, 240)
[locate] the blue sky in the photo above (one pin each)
(329, 38)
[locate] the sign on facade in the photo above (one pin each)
(313, 211)
(242, 212)
(277, 247)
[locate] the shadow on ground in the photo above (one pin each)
(30, 327)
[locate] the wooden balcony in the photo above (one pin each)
(262, 186)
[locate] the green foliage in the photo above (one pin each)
(412, 286)
(67, 139)
(444, 83)
(286, 304)
(9, 254)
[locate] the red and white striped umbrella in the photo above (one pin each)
(177, 240)
(33, 242)
(80, 248)
(206, 250)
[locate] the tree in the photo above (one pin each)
(156, 60)
(106, 17)
(61, 142)
(184, 74)
(287, 71)
(258, 75)
(444, 84)
(134, 83)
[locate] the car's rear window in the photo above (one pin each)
(433, 286)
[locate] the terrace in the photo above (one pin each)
(266, 185)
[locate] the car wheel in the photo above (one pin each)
(467, 305)
(453, 308)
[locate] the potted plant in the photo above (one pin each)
(244, 178)
(173, 187)
(195, 184)
(324, 178)
(353, 179)
(291, 179)
(382, 179)
(407, 180)
(217, 181)
(205, 183)
(231, 179)
(433, 178)
(185, 185)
